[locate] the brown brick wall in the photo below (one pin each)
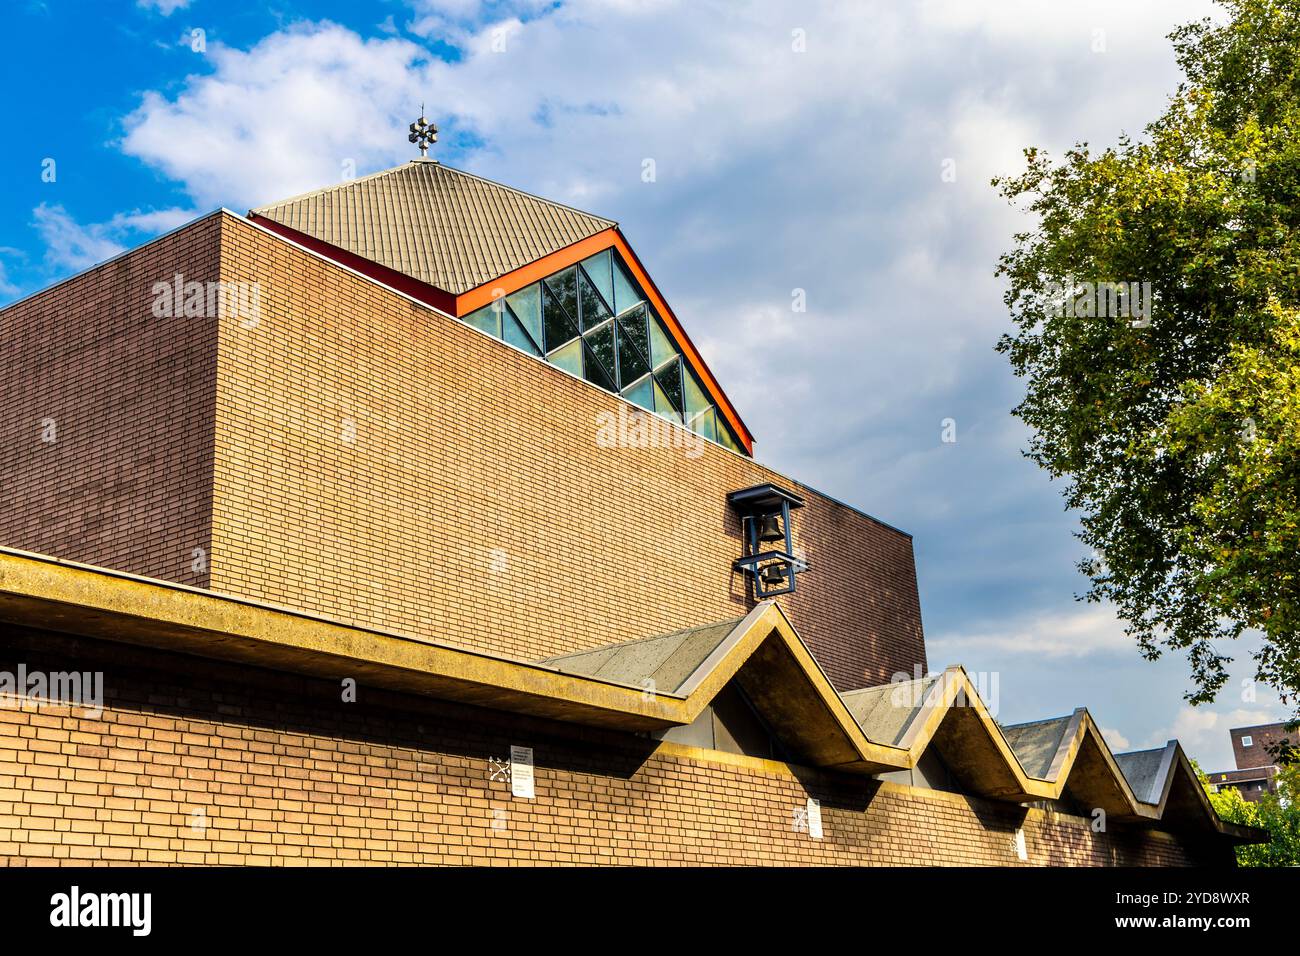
(276, 769)
(127, 481)
(1262, 737)
(474, 504)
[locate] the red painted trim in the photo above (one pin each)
(443, 301)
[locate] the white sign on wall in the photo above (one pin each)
(814, 818)
(521, 772)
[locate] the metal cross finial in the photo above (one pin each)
(423, 132)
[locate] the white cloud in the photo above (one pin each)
(7, 288)
(1116, 741)
(165, 7)
(1073, 634)
(1203, 732)
(286, 116)
(72, 246)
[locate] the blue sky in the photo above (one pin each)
(796, 146)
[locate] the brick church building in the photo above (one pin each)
(402, 522)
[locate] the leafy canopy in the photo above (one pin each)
(1177, 432)
(1278, 813)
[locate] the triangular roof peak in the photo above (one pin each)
(441, 226)
(460, 243)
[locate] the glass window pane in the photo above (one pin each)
(696, 398)
(527, 306)
(728, 439)
(595, 371)
(488, 319)
(602, 344)
(670, 380)
(633, 325)
(598, 268)
(663, 406)
(662, 348)
(513, 332)
(559, 327)
(565, 286)
(594, 310)
(632, 364)
(625, 293)
(569, 357)
(642, 393)
(705, 424)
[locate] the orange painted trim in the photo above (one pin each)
(609, 238)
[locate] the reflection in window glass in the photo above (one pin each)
(560, 328)
(696, 398)
(625, 294)
(569, 357)
(664, 407)
(486, 319)
(725, 437)
(598, 268)
(661, 344)
(705, 424)
(595, 369)
(527, 306)
(602, 344)
(565, 286)
(513, 332)
(632, 363)
(642, 393)
(567, 317)
(594, 310)
(670, 380)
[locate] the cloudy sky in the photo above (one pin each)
(844, 149)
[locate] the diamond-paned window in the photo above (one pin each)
(593, 320)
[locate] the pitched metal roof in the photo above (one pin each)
(667, 660)
(1145, 771)
(1035, 744)
(886, 712)
(444, 227)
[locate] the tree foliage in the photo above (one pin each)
(1176, 434)
(1278, 813)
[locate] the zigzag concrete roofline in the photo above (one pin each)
(761, 652)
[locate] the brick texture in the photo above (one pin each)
(194, 762)
(1262, 738)
(128, 401)
(413, 474)
(355, 455)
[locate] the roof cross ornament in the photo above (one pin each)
(424, 133)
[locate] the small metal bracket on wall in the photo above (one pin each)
(764, 522)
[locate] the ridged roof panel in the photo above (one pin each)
(444, 227)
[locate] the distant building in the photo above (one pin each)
(1254, 749)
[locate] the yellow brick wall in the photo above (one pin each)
(196, 762)
(389, 466)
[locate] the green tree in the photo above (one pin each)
(1170, 405)
(1278, 813)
